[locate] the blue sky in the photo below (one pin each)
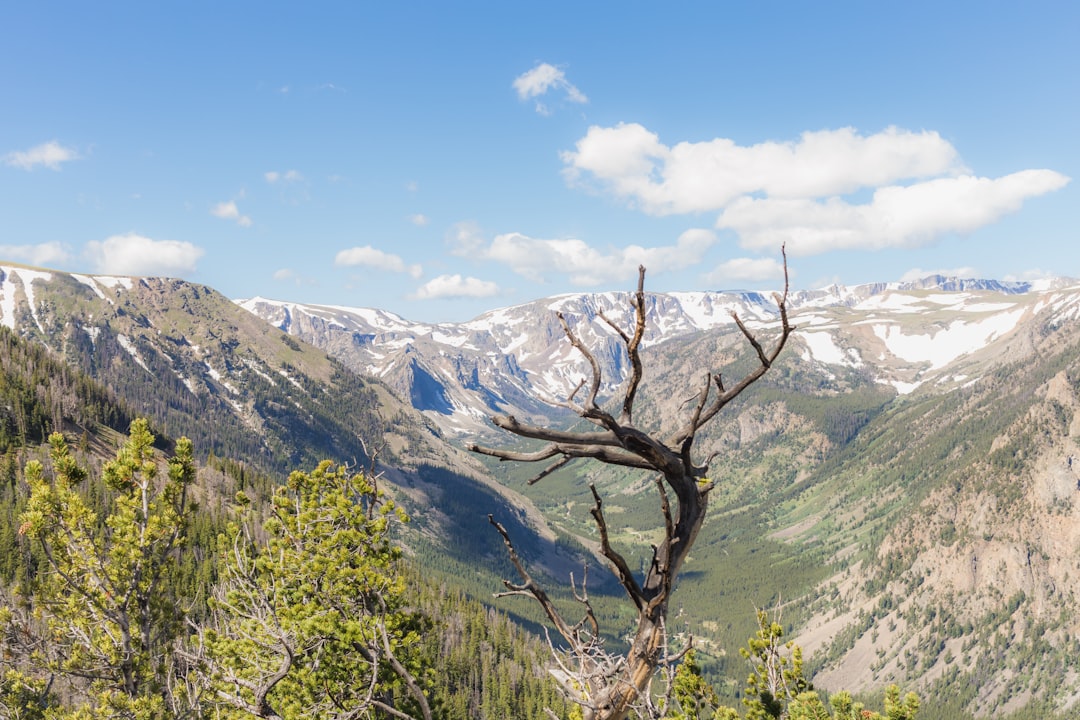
(439, 160)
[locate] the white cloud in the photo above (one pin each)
(586, 266)
(43, 254)
(274, 176)
(896, 216)
(465, 239)
(1032, 275)
(133, 254)
(290, 275)
(918, 273)
(229, 211)
(50, 155)
(368, 256)
(455, 286)
(803, 192)
(746, 270)
(542, 79)
(419, 219)
(630, 162)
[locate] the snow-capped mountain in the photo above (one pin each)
(906, 473)
(516, 360)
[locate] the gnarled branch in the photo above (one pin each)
(608, 687)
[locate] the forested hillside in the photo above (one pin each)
(914, 514)
(476, 662)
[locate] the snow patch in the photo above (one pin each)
(893, 301)
(291, 379)
(126, 343)
(944, 346)
(110, 281)
(823, 348)
(7, 290)
(89, 282)
(255, 369)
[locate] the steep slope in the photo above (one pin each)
(185, 355)
(904, 479)
(965, 575)
(198, 365)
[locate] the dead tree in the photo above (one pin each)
(607, 686)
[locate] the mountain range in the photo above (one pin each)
(903, 485)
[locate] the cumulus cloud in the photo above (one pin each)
(543, 79)
(368, 256)
(746, 270)
(133, 254)
(229, 211)
(896, 216)
(803, 192)
(419, 219)
(536, 258)
(631, 162)
(43, 254)
(455, 286)
(51, 155)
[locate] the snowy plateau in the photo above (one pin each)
(931, 335)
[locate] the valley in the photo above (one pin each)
(902, 482)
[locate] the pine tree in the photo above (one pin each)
(105, 600)
(309, 619)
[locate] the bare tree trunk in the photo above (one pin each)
(607, 686)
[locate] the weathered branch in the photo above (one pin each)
(557, 465)
(535, 432)
(622, 570)
(530, 587)
(594, 386)
(611, 456)
(583, 598)
(609, 687)
(632, 345)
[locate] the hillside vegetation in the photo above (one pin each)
(916, 517)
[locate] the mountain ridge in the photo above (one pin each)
(517, 354)
(906, 430)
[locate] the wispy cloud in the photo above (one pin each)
(919, 273)
(290, 275)
(45, 254)
(419, 219)
(289, 176)
(229, 211)
(455, 286)
(133, 254)
(51, 155)
(801, 192)
(745, 270)
(584, 265)
(368, 256)
(543, 79)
